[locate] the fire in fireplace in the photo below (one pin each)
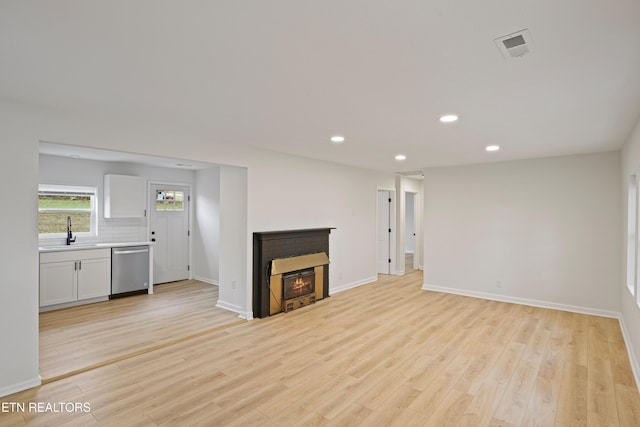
(298, 283)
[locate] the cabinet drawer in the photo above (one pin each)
(47, 257)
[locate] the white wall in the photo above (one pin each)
(235, 263)
(629, 308)
(547, 229)
(206, 242)
(287, 192)
(19, 260)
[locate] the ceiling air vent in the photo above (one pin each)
(515, 45)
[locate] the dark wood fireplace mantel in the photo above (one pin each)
(270, 245)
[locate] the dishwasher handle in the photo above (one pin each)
(136, 251)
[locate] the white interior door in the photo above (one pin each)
(383, 232)
(169, 229)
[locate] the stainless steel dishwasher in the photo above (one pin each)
(129, 270)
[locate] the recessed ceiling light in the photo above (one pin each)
(74, 156)
(401, 157)
(492, 147)
(184, 165)
(337, 139)
(448, 118)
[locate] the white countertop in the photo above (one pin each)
(82, 246)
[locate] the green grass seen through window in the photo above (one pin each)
(56, 221)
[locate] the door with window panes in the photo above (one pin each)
(169, 229)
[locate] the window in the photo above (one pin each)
(169, 200)
(56, 203)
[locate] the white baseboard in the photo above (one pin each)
(352, 285)
(24, 385)
(635, 366)
(236, 309)
(524, 301)
(207, 280)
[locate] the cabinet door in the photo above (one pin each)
(94, 278)
(58, 283)
(125, 196)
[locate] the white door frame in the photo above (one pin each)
(392, 225)
(190, 236)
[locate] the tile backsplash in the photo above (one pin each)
(116, 230)
(122, 229)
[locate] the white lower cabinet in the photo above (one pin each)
(94, 278)
(70, 276)
(58, 283)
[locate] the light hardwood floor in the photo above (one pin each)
(386, 353)
(82, 337)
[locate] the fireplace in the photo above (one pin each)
(278, 255)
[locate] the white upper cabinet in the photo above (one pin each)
(125, 196)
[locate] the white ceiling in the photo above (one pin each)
(285, 75)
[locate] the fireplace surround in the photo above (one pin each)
(277, 253)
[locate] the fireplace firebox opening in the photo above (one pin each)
(298, 283)
(298, 289)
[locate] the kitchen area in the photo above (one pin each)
(95, 236)
(111, 226)
(82, 272)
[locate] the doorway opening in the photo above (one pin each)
(221, 195)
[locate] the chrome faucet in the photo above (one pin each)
(70, 237)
